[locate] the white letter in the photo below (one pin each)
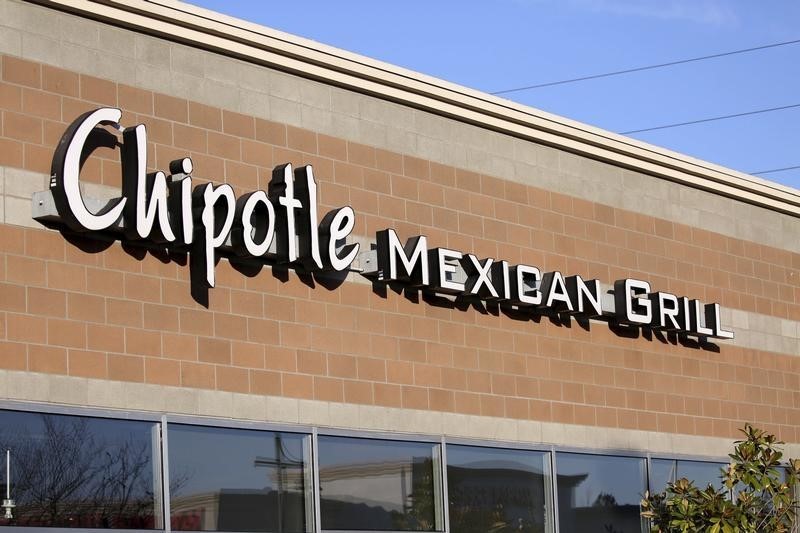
(66, 173)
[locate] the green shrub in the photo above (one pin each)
(757, 495)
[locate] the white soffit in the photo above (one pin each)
(251, 42)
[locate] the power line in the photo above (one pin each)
(711, 119)
(648, 67)
(775, 170)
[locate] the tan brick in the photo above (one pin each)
(47, 302)
(358, 392)
(11, 153)
(171, 108)
(233, 379)
(414, 397)
(135, 99)
(60, 81)
(26, 328)
(270, 132)
(248, 354)
(41, 104)
(15, 356)
(177, 346)
(22, 127)
(98, 90)
(66, 276)
(104, 282)
(47, 359)
(230, 326)
(70, 333)
(13, 297)
(35, 158)
(190, 138)
(204, 116)
(10, 97)
(162, 371)
(265, 382)
(198, 375)
(298, 386)
(142, 342)
(87, 364)
(125, 368)
(328, 389)
(214, 350)
(22, 72)
(238, 124)
(331, 147)
(123, 312)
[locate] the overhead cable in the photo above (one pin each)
(711, 119)
(648, 67)
(775, 170)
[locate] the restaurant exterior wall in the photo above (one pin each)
(110, 325)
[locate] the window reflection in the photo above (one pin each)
(368, 484)
(702, 473)
(74, 471)
(499, 490)
(237, 480)
(599, 492)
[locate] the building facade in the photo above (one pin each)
(356, 297)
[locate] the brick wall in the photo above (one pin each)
(71, 306)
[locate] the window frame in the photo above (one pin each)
(162, 421)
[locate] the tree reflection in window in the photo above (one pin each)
(72, 471)
(498, 490)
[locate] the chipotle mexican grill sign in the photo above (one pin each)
(283, 226)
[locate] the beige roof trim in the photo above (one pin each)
(252, 42)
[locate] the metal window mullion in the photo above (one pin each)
(445, 493)
(165, 496)
(315, 470)
(554, 489)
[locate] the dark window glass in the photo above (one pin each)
(237, 479)
(494, 489)
(599, 492)
(75, 471)
(702, 473)
(368, 484)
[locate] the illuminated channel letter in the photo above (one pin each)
(713, 319)
(254, 224)
(554, 290)
(215, 206)
(479, 277)
(412, 257)
(525, 281)
(65, 173)
(180, 198)
(336, 227)
(586, 295)
(146, 193)
(629, 307)
(281, 193)
(666, 311)
(307, 236)
(443, 264)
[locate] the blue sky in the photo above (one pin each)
(502, 44)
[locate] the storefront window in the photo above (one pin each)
(238, 480)
(379, 485)
(702, 473)
(494, 489)
(76, 471)
(600, 492)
